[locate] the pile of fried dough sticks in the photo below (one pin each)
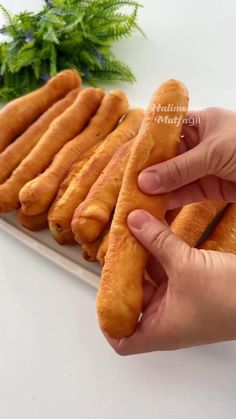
(58, 144)
(69, 161)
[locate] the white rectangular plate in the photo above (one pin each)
(68, 257)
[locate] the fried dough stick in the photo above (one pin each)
(90, 250)
(38, 194)
(96, 251)
(102, 251)
(21, 147)
(74, 170)
(193, 220)
(120, 296)
(33, 223)
(94, 213)
(62, 129)
(68, 237)
(223, 237)
(19, 114)
(82, 182)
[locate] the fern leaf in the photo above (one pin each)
(108, 6)
(53, 61)
(114, 70)
(118, 30)
(37, 68)
(7, 15)
(50, 35)
(55, 20)
(72, 25)
(65, 34)
(24, 59)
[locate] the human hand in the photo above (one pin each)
(206, 167)
(194, 301)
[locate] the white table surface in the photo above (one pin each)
(54, 362)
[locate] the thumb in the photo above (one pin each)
(177, 172)
(157, 238)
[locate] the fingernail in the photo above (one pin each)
(137, 219)
(149, 181)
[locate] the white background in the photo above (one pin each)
(54, 362)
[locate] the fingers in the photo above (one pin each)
(148, 292)
(157, 238)
(190, 136)
(171, 214)
(194, 127)
(136, 344)
(207, 188)
(123, 346)
(140, 342)
(177, 172)
(133, 345)
(195, 118)
(155, 271)
(148, 335)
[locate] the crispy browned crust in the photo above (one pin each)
(38, 195)
(21, 147)
(102, 251)
(90, 250)
(193, 219)
(120, 296)
(74, 170)
(82, 182)
(19, 114)
(96, 250)
(64, 238)
(33, 223)
(94, 213)
(62, 130)
(223, 237)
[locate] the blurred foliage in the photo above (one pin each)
(65, 34)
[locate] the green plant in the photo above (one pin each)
(65, 34)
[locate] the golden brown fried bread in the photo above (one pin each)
(223, 237)
(62, 129)
(37, 195)
(120, 296)
(96, 251)
(94, 213)
(90, 250)
(33, 223)
(74, 170)
(193, 219)
(19, 114)
(102, 251)
(80, 185)
(68, 237)
(21, 147)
